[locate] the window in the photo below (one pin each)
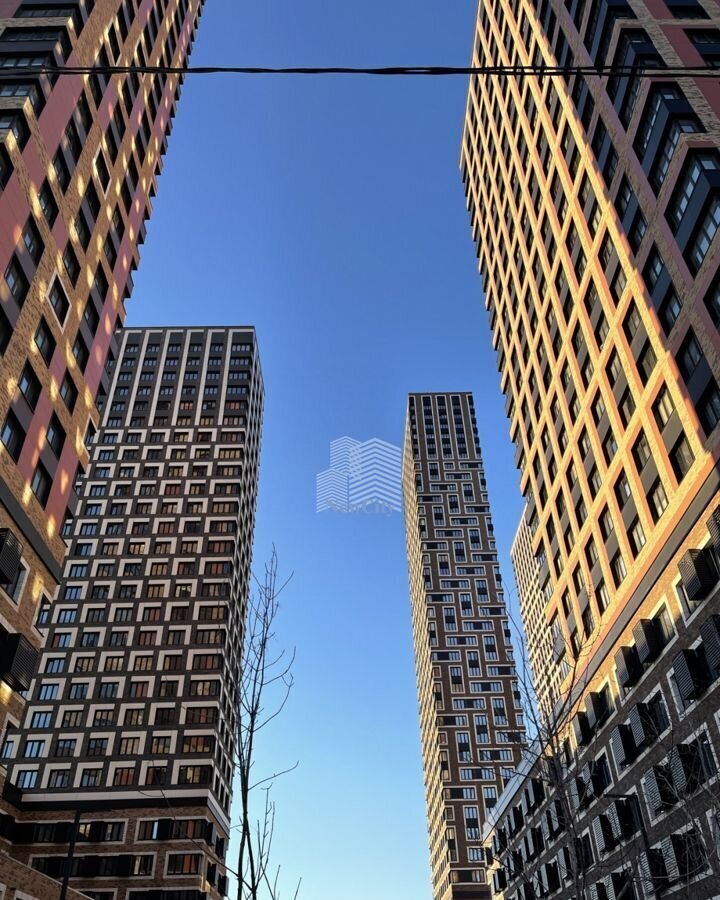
(82, 230)
(622, 490)
(41, 720)
(663, 408)
(41, 484)
(90, 777)
(705, 231)
(114, 831)
(32, 241)
(609, 446)
(124, 775)
(29, 385)
(59, 301)
(44, 341)
(709, 407)
(632, 323)
(65, 747)
(646, 362)
(184, 863)
(81, 352)
(102, 170)
(194, 775)
(16, 281)
(689, 356)
(670, 310)
(69, 392)
(97, 746)
(48, 204)
(34, 749)
(641, 452)
(613, 368)
(6, 330)
(636, 536)
(26, 778)
(55, 435)
(626, 407)
(697, 163)
(705, 40)
(59, 778)
(72, 266)
(657, 499)
(681, 457)
(637, 231)
(13, 435)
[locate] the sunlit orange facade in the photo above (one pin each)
(80, 157)
(595, 207)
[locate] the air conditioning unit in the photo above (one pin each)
(18, 661)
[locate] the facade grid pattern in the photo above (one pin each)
(471, 728)
(135, 702)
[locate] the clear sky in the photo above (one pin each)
(329, 213)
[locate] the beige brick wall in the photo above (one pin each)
(18, 882)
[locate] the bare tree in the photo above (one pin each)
(553, 769)
(679, 770)
(264, 687)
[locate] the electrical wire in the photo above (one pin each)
(704, 71)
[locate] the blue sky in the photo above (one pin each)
(329, 213)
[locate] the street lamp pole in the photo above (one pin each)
(71, 854)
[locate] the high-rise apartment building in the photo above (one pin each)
(468, 696)
(132, 716)
(594, 205)
(540, 681)
(79, 160)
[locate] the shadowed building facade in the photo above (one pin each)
(131, 718)
(595, 205)
(80, 156)
(538, 639)
(468, 695)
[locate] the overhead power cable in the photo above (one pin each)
(704, 71)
